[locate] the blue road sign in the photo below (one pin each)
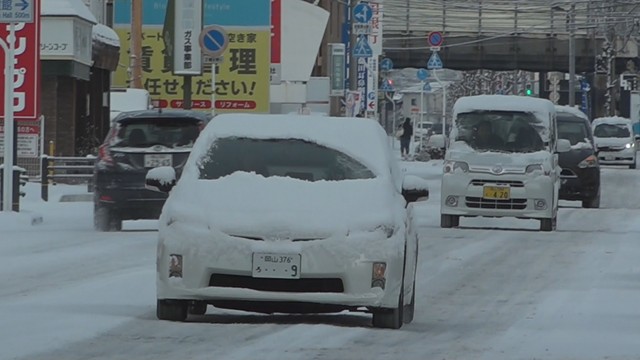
(362, 48)
(386, 64)
(362, 13)
(213, 40)
(585, 86)
(386, 87)
(434, 62)
(435, 39)
(426, 87)
(17, 11)
(422, 74)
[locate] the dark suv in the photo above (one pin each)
(137, 142)
(580, 177)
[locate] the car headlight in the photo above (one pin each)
(589, 162)
(630, 145)
(533, 167)
(388, 230)
(452, 166)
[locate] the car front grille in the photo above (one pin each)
(511, 204)
(568, 173)
(611, 148)
(482, 182)
(328, 285)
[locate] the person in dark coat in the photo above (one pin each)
(405, 138)
(484, 138)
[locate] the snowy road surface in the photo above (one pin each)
(494, 289)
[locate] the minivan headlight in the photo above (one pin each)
(629, 145)
(451, 166)
(533, 167)
(589, 162)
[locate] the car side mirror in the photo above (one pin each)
(563, 146)
(415, 189)
(636, 137)
(161, 179)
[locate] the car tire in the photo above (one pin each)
(172, 310)
(198, 308)
(449, 221)
(592, 203)
(390, 318)
(632, 166)
(409, 310)
(548, 224)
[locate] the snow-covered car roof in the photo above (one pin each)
(534, 105)
(612, 120)
(572, 111)
(363, 139)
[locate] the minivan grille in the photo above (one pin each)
(482, 182)
(511, 204)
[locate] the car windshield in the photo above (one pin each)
(172, 133)
(574, 131)
(292, 158)
(611, 131)
(501, 131)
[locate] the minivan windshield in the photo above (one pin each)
(574, 131)
(294, 158)
(500, 131)
(612, 131)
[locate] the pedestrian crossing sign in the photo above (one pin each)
(434, 61)
(362, 48)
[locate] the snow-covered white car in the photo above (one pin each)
(615, 141)
(286, 213)
(502, 160)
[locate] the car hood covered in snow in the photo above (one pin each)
(247, 204)
(460, 151)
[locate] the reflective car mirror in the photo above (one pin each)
(415, 188)
(563, 146)
(161, 179)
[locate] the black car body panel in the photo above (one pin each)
(139, 141)
(580, 176)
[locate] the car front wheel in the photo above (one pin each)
(449, 221)
(172, 310)
(390, 318)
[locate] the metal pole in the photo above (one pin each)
(7, 184)
(214, 66)
(572, 56)
(353, 62)
(187, 92)
(136, 44)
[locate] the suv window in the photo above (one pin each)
(612, 131)
(280, 157)
(147, 132)
(574, 131)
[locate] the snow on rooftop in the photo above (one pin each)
(503, 103)
(571, 110)
(106, 35)
(67, 8)
(613, 120)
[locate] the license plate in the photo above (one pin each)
(156, 160)
(496, 192)
(278, 266)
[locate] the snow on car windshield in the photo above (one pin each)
(501, 131)
(147, 132)
(294, 158)
(574, 131)
(611, 131)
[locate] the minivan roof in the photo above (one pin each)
(503, 103)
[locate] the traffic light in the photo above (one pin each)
(528, 91)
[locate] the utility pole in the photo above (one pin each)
(353, 61)
(136, 44)
(572, 54)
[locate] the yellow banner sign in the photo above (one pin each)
(242, 79)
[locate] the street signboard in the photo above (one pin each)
(214, 40)
(434, 62)
(426, 87)
(585, 86)
(17, 11)
(386, 64)
(362, 48)
(337, 66)
(362, 12)
(387, 87)
(361, 28)
(435, 39)
(422, 74)
(187, 57)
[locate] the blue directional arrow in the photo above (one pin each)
(23, 3)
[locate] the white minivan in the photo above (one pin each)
(502, 160)
(615, 141)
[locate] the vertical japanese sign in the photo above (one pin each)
(242, 80)
(187, 56)
(337, 61)
(276, 36)
(375, 41)
(27, 68)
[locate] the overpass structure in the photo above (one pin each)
(530, 35)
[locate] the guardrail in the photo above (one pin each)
(65, 168)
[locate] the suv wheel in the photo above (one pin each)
(449, 221)
(548, 224)
(592, 203)
(172, 310)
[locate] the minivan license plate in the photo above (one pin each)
(278, 266)
(156, 160)
(496, 192)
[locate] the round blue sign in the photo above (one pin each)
(423, 74)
